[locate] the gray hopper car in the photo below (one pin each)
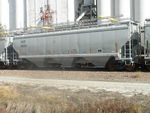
(99, 46)
(147, 43)
(8, 56)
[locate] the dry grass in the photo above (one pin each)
(7, 94)
(137, 75)
(25, 100)
(3, 111)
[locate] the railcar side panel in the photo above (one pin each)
(83, 46)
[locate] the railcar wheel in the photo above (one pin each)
(114, 65)
(110, 68)
(2, 66)
(110, 64)
(27, 65)
(130, 68)
(148, 68)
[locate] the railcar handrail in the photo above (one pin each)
(68, 26)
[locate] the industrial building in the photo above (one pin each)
(60, 10)
(0, 12)
(23, 13)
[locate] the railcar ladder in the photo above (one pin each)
(9, 56)
(127, 51)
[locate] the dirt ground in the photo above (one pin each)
(80, 75)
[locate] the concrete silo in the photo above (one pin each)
(62, 11)
(31, 12)
(115, 8)
(125, 9)
(103, 8)
(0, 12)
(71, 10)
(12, 14)
(135, 13)
(5, 13)
(19, 14)
(145, 8)
(25, 13)
(120, 9)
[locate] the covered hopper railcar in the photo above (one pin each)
(146, 41)
(111, 46)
